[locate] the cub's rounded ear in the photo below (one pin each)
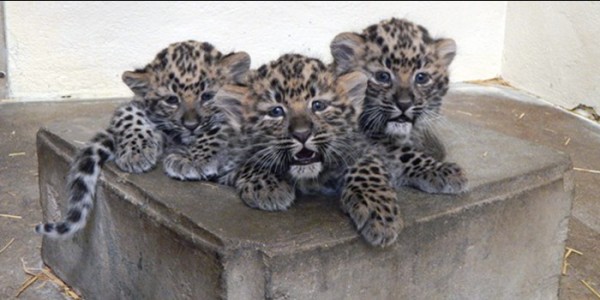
(231, 99)
(347, 49)
(236, 65)
(354, 86)
(446, 50)
(138, 81)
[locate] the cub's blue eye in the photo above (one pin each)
(318, 105)
(207, 96)
(383, 77)
(421, 78)
(172, 100)
(276, 112)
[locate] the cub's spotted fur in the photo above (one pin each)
(408, 76)
(300, 135)
(172, 114)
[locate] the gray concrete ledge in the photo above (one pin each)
(151, 237)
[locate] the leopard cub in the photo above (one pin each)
(300, 135)
(408, 77)
(172, 117)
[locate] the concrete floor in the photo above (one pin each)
(498, 108)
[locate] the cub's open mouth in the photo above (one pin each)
(400, 119)
(306, 157)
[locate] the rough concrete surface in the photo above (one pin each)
(541, 124)
(19, 193)
(153, 237)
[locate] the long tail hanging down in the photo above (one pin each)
(82, 180)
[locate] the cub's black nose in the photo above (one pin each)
(302, 136)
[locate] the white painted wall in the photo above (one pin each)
(552, 49)
(80, 49)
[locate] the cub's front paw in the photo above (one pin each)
(454, 177)
(178, 166)
(446, 178)
(376, 216)
(266, 195)
(138, 157)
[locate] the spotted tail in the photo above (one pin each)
(82, 180)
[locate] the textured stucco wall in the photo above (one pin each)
(552, 49)
(80, 49)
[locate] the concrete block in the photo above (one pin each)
(151, 237)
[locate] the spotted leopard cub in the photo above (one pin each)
(301, 134)
(172, 116)
(408, 77)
